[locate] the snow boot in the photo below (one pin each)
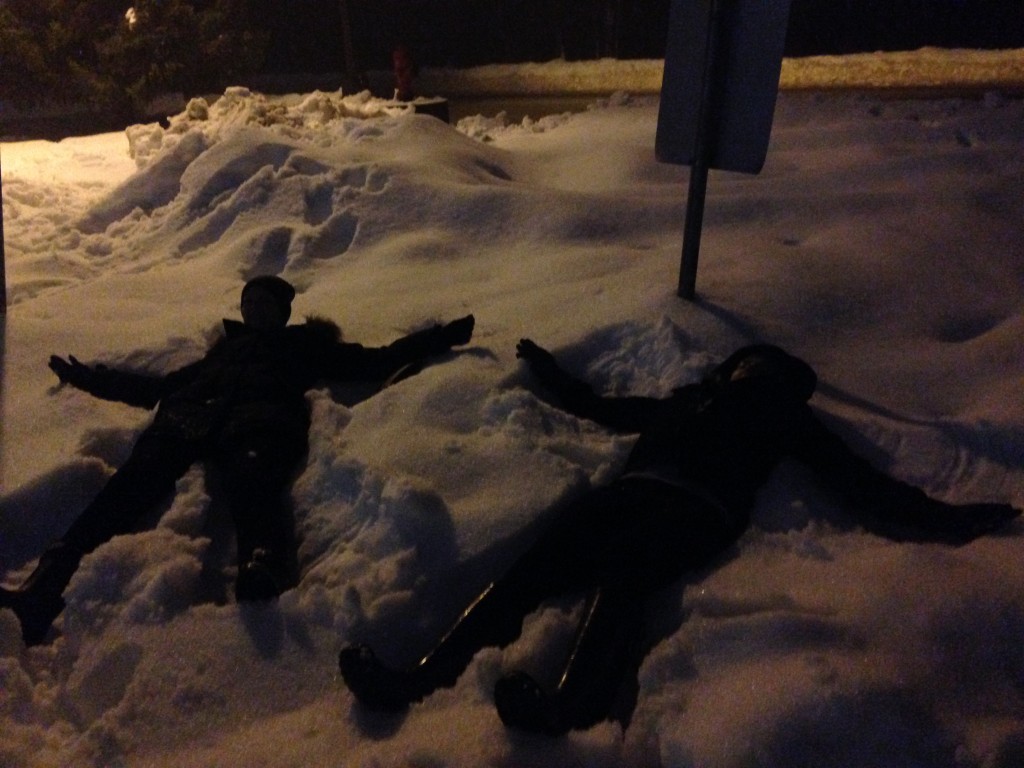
(259, 579)
(40, 600)
(523, 704)
(493, 618)
(375, 685)
(604, 651)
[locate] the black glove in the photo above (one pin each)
(543, 365)
(956, 524)
(541, 362)
(458, 332)
(966, 522)
(137, 389)
(72, 372)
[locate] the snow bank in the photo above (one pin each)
(881, 243)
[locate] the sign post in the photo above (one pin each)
(718, 92)
(3, 270)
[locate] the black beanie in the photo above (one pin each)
(279, 288)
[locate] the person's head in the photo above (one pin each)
(267, 302)
(770, 364)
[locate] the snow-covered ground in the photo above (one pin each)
(921, 68)
(882, 243)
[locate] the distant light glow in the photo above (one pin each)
(131, 18)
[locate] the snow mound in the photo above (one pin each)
(297, 116)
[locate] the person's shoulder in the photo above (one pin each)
(317, 330)
(687, 393)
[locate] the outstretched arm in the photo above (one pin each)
(354, 362)
(623, 414)
(138, 389)
(890, 507)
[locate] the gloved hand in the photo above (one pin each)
(543, 365)
(72, 372)
(965, 522)
(458, 332)
(920, 518)
(541, 361)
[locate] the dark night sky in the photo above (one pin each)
(306, 34)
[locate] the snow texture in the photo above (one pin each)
(882, 243)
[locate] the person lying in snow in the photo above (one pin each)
(242, 409)
(684, 499)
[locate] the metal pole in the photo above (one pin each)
(347, 48)
(702, 153)
(692, 228)
(3, 271)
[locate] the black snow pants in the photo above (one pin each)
(617, 544)
(254, 460)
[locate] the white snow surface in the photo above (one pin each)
(882, 243)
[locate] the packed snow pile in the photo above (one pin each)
(239, 107)
(924, 68)
(881, 243)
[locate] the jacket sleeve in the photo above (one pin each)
(137, 389)
(622, 414)
(141, 390)
(887, 506)
(354, 362)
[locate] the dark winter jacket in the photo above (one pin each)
(721, 439)
(251, 375)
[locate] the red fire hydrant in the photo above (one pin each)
(405, 71)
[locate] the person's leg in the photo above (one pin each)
(637, 534)
(146, 478)
(493, 618)
(606, 648)
(140, 484)
(645, 536)
(256, 465)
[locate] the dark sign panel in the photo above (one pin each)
(722, 66)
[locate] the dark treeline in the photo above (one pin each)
(850, 26)
(470, 32)
(93, 54)
(114, 56)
